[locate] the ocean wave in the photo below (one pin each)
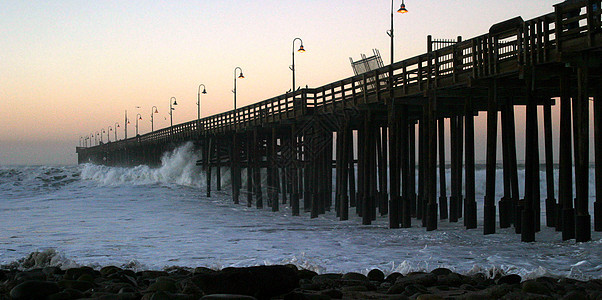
(53, 258)
(177, 167)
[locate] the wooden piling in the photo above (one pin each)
(208, 165)
(565, 172)
(531, 165)
(394, 170)
(489, 203)
(551, 204)
(598, 157)
(249, 153)
(442, 184)
(582, 218)
(470, 205)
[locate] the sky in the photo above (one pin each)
(69, 69)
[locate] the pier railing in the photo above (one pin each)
(508, 48)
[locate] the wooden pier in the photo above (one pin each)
(368, 127)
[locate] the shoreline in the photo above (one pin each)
(280, 282)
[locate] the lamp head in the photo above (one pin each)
(402, 9)
(128, 121)
(241, 76)
(117, 125)
(156, 111)
(301, 49)
(140, 118)
(204, 91)
(174, 102)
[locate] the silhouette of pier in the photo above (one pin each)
(368, 127)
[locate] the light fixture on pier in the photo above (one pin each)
(402, 9)
(241, 76)
(301, 49)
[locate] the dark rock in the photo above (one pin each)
(355, 276)
(297, 295)
(306, 274)
(534, 287)
(393, 277)
(253, 281)
(151, 274)
(227, 297)
(75, 294)
(203, 270)
(30, 275)
(86, 277)
(163, 284)
(354, 288)
(414, 289)
(441, 271)
(326, 279)
(333, 293)
(311, 286)
(108, 270)
(52, 271)
(425, 279)
(34, 289)
(576, 295)
(509, 279)
(376, 275)
(60, 296)
(451, 279)
(74, 273)
(75, 284)
(498, 291)
(160, 295)
(429, 297)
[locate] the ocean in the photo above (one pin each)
(154, 218)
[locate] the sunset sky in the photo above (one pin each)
(69, 69)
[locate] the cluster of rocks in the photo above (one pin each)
(279, 282)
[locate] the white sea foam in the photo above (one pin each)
(177, 167)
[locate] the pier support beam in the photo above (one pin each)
(551, 204)
(442, 184)
(582, 218)
(528, 223)
(294, 173)
(406, 162)
(470, 213)
(489, 203)
(565, 172)
(394, 170)
(598, 157)
(431, 164)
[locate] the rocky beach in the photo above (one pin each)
(280, 282)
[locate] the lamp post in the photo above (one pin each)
(402, 9)
(138, 117)
(198, 102)
(234, 91)
(153, 111)
(171, 110)
(126, 122)
(116, 126)
(301, 49)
